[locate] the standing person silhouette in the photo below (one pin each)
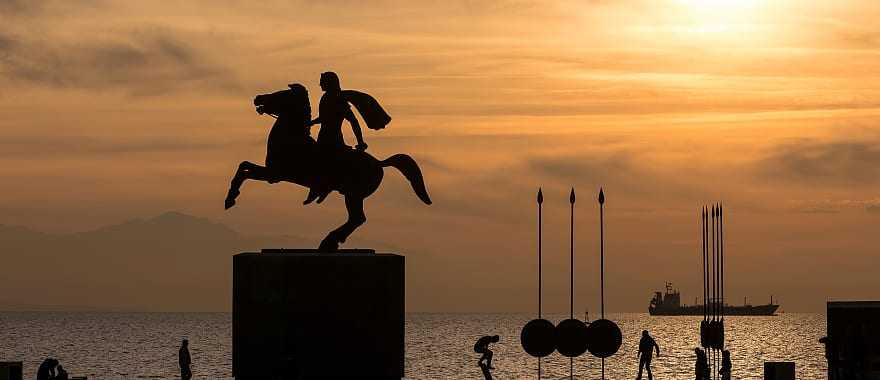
(482, 347)
(332, 111)
(646, 348)
(184, 360)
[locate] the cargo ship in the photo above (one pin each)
(669, 303)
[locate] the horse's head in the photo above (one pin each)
(292, 103)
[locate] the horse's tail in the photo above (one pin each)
(410, 169)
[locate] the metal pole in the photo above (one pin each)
(721, 247)
(705, 268)
(714, 272)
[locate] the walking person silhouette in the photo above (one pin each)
(646, 348)
(184, 360)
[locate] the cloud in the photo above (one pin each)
(845, 163)
(140, 63)
(79, 146)
(625, 173)
(15, 7)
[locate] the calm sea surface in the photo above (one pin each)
(439, 346)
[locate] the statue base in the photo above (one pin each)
(303, 314)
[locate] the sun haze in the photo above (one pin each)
(112, 112)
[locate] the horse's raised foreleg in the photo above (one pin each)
(246, 170)
(356, 218)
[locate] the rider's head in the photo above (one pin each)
(496, 338)
(644, 332)
(330, 81)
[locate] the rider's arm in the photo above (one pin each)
(356, 128)
(657, 346)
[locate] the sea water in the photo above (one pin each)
(438, 346)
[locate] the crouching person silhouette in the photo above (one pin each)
(482, 347)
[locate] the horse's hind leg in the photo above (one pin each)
(246, 170)
(356, 218)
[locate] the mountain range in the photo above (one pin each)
(171, 262)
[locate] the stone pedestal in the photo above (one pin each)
(299, 314)
(778, 370)
(10, 371)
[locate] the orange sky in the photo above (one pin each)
(116, 110)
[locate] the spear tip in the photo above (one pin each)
(540, 196)
(571, 197)
(601, 196)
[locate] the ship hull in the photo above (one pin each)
(728, 310)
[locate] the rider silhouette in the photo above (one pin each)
(332, 110)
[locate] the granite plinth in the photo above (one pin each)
(300, 314)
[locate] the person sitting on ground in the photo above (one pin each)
(46, 371)
(482, 347)
(61, 374)
(726, 365)
(646, 348)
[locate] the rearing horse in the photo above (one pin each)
(292, 156)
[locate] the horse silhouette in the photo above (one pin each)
(292, 155)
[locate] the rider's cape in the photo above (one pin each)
(374, 116)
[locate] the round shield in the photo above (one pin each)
(571, 338)
(538, 338)
(605, 338)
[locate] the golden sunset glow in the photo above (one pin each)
(121, 111)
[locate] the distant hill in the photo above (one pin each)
(169, 262)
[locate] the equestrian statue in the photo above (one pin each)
(326, 164)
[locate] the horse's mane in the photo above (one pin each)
(292, 103)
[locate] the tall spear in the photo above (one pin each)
(602, 261)
(602, 251)
(571, 200)
(540, 202)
